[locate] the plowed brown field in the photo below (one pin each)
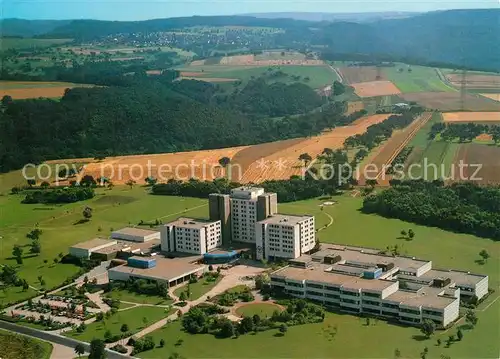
(375, 88)
(275, 160)
(487, 157)
(454, 117)
(476, 81)
(388, 152)
(451, 101)
(354, 75)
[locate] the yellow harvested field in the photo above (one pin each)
(257, 163)
(471, 117)
(25, 93)
(375, 88)
(492, 96)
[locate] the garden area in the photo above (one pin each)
(198, 287)
(261, 309)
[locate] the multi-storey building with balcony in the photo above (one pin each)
(363, 281)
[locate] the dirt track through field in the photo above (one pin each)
(389, 151)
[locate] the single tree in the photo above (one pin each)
(471, 317)
(283, 328)
(35, 247)
(438, 342)
(45, 184)
(17, 252)
(130, 183)
(97, 349)
(428, 328)
(484, 255)
(162, 343)
(411, 234)
(306, 158)
(108, 335)
(403, 233)
(79, 349)
(31, 182)
(224, 161)
(124, 328)
(397, 353)
(182, 296)
(87, 213)
(460, 335)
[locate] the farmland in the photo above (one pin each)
(492, 96)
(354, 75)
(375, 88)
(451, 101)
(475, 81)
(24, 89)
(26, 43)
(454, 117)
(483, 155)
(268, 58)
(319, 76)
(420, 79)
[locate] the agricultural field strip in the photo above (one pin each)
(412, 131)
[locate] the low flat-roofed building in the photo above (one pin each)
(188, 235)
(85, 249)
(284, 236)
(470, 284)
(125, 249)
(168, 271)
(135, 234)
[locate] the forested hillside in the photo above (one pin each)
(459, 37)
(147, 115)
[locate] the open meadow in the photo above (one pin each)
(419, 79)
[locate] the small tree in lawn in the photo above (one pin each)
(403, 233)
(438, 342)
(17, 252)
(87, 213)
(144, 321)
(397, 353)
(460, 335)
(428, 328)
(124, 328)
(162, 343)
(108, 336)
(283, 328)
(484, 255)
(411, 234)
(97, 349)
(130, 183)
(79, 349)
(471, 318)
(182, 296)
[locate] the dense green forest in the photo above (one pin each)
(461, 207)
(67, 195)
(145, 115)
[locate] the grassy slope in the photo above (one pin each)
(197, 289)
(14, 346)
(353, 340)
(134, 318)
(421, 79)
(132, 297)
(59, 231)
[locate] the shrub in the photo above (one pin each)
(119, 348)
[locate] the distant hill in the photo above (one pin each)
(29, 28)
(325, 16)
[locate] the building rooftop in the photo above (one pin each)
(185, 222)
(320, 273)
(133, 247)
(135, 231)
(284, 219)
(96, 242)
(420, 299)
(165, 269)
(459, 277)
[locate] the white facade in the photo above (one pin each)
(191, 236)
(85, 249)
(282, 236)
(135, 235)
(244, 213)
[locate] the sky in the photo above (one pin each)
(151, 9)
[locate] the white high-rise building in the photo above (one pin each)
(189, 235)
(249, 205)
(284, 236)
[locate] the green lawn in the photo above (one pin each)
(197, 289)
(420, 79)
(132, 297)
(112, 210)
(15, 346)
(136, 319)
(339, 336)
(262, 309)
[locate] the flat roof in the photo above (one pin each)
(319, 274)
(96, 242)
(135, 231)
(285, 219)
(165, 269)
(459, 277)
(128, 246)
(420, 299)
(186, 222)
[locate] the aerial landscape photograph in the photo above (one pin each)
(216, 179)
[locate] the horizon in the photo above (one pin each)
(160, 9)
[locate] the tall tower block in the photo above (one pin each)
(219, 207)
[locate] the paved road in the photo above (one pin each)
(54, 338)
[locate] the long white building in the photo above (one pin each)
(284, 236)
(190, 235)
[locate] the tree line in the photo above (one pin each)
(66, 195)
(460, 207)
(465, 132)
